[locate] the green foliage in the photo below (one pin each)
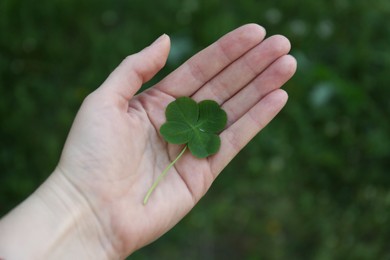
(313, 185)
(195, 124)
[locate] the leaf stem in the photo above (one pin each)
(161, 176)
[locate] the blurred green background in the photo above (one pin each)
(313, 185)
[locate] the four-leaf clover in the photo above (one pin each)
(194, 124)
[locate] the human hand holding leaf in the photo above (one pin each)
(193, 124)
(116, 150)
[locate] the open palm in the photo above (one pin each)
(114, 151)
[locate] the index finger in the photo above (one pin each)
(202, 67)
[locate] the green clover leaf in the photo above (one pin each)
(194, 124)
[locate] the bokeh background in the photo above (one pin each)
(313, 185)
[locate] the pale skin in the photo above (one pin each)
(91, 206)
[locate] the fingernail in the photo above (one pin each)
(159, 39)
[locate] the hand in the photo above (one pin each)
(114, 151)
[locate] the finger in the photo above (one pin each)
(194, 73)
(234, 138)
(137, 69)
(245, 69)
(272, 78)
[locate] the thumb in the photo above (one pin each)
(138, 68)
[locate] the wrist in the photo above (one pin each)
(55, 222)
